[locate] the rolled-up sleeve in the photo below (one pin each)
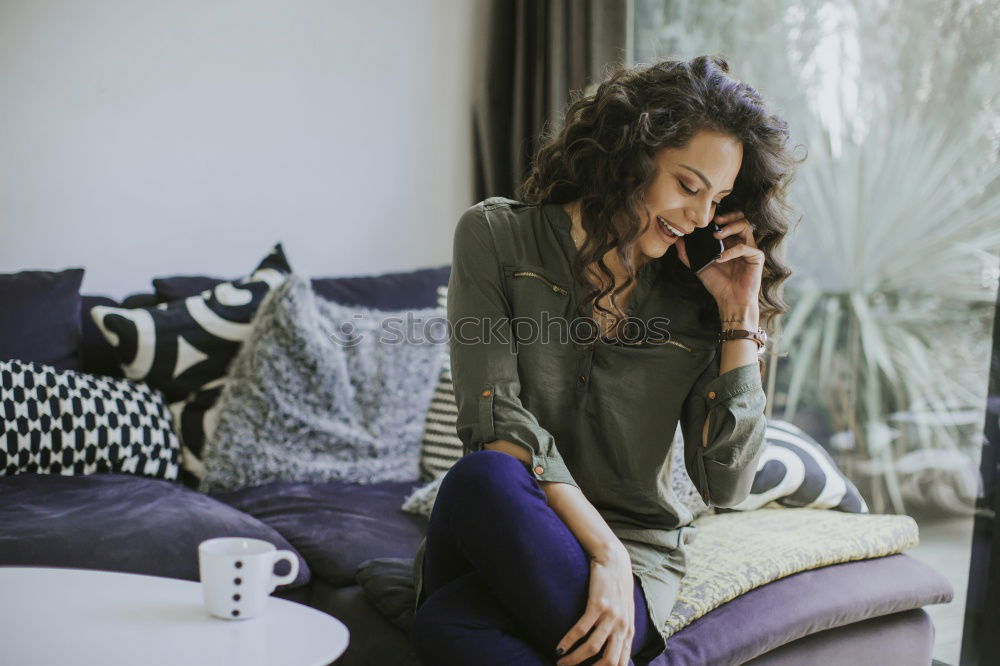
(724, 469)
(483, 358)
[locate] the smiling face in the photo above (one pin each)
(689, 184)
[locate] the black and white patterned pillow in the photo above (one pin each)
(794, 470)
(440, 446)
(72, 423)
(184, 347)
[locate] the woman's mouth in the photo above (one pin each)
(667, 231)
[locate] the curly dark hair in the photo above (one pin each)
(604, 156)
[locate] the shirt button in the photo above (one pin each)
(583, 379)
(539, 469)
(486, 393)
(711, 394)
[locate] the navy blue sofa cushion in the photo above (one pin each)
(389, 291)
(336, 525)
(181, 286)
(119, 522)
(97, 356)
(40, 315)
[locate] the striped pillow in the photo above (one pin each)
(796, 471)
(440, 447)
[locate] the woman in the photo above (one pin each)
(556, 536)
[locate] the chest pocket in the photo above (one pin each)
(540, 304)
(534, 273)
(532, 290)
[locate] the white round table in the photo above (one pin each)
(54, 615)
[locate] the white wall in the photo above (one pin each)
(158, 137)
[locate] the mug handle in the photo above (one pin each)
(292, 560)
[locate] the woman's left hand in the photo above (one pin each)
(733, 278)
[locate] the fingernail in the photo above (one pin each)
(559, 651)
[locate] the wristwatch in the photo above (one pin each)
(759, 336)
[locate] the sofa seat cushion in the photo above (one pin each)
(803, 604)
(119, 522)
(336, 525)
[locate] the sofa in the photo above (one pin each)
(864, 611)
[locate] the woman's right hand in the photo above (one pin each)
(610, 613)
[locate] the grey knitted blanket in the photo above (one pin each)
(321, 391)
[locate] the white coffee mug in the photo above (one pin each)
(237, 575)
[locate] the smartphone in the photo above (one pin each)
(702, 247)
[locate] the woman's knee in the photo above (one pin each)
(484, 471)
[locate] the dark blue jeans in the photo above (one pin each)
(504, 577)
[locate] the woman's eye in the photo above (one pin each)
(685, 188)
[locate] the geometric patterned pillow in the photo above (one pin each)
(796, 471)
(72, 423)
(184, 347)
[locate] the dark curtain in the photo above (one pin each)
(537, 51)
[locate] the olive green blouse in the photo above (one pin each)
(592, 413)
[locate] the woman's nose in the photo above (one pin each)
(701, 220)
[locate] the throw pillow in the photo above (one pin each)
(794, 470)
(421, 499)
(184, 347)
(40, 317)
(322, 391)
(388, 584)
(182, 286)
(66, 422)
(387, 291)
(440, 446)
